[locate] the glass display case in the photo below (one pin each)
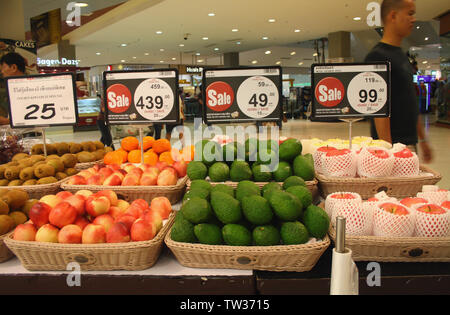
(88, 110)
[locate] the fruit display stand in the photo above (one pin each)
(5, 253)
(120, 256)
(38, 191)
(398, 187)
(173, 193)
(85, 166)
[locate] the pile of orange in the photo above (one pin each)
(154, 151)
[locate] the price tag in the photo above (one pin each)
(351, 90)
(242, 95)
(142, 97)
(42, 100)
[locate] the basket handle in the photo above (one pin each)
(243, 260)
(81, 258)
(415, 252)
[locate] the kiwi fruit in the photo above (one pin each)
(69, 160)
(16, 199)
(99, 144)
(85, 157)
(2, 171)
(30, 182)
(39, 163)
(75, 148)
(60, 176)
(4, 208)
(19, 156)
(44, 170)
(16, 182)
(6, 224)
(12, 173)
(28, 205)
(27, 173)
(71, 171)
(19, 217)
(37, 149)
(47, 180)
(62, 148)
(4, 182)
(57, 164)
(27, 162)
(99, 154)
(51, 157)
(51, 149)
(37, 158)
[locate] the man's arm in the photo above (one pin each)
(383, 127)
(427, 153)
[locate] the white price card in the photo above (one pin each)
(257, 97)
(42, 100)
(367, 93)
(154, 99)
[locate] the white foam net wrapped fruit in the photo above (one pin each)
(339, 163)
(375, 162)
(317, 156)
(338, 199)
(358, 218)
(432, 221)
(392, 219)
(406, 164)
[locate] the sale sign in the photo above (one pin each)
(141, 96)
(351, 90)
(242, 95)
(42, 100)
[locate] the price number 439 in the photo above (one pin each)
(152, 102)
(47, 111)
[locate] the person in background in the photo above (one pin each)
(106, 138)
(404, 125)
(12, 65)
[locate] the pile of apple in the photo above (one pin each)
(162, 174)
(425, 215)
(88, 218)
(368, 162)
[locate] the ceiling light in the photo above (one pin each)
(278, 62)
(424, 62)
(234, 30)
(271, 20)
(161, 61)
(297, 31)
(197, 54)
(265, 37)
(216, 49)
(134, 57)
(254, 61)
(238, 43)
(162, 49)
(98, 54)
(205, 38)
(300, 63)
(200, 60)
(418, 27)
(159, 32)
(181, 45)
(293, 53)
(356, 18)
(122, 60)
(81, 4)
(315, 55)
(211, 14)
(147, 54)
(427, 38)
(174, 58)
(124, 45)
(268, 52)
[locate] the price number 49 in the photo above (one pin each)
(156, 102)
(48, 111)
(372, 96)
(260, 100)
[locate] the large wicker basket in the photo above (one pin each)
(38, 191)
(402, 249)
(5, 253)
(398, 187)
(129, 193)
(272, 258)
(120, 256)
(85, 166)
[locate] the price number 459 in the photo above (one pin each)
(48, 111)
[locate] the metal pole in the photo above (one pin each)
(141, 141)
(45, 142)
(340, 234)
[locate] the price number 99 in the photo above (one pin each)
(370, 96)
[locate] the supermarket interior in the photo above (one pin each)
(225, 148)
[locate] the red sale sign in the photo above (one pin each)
(330, 92)
(219, 96)
(119, 98)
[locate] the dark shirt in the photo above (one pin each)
(404, 106)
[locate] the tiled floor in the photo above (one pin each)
(303, 129)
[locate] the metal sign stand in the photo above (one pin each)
(44, 140)
(350, 122)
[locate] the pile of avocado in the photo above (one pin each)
(256, 160)
(276, 214)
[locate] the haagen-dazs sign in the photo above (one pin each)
(57, 62)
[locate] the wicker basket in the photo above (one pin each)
(272, 258)
(85, 166)
(398, 187)
(5, 253)
(38, 191)
(130, 193)
(402, 249)
(121, 256)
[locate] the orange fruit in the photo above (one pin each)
(113, 158)
(166, 157)
(123, 154)
(129, 144)
(148, 142)
(151, 158)
(188, 153)
(134, 156)
(161, 145)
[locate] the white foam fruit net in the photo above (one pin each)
(436, 197)
(405, 167)
(331, 202)
(317, 157)
(339, 165)
(358, 218)
(387, 224)
(432, 224)
(369, 165)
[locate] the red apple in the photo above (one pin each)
(111, 195)
(379, 153)
(106, 220)
(446, 204)
(77, 180)
(135, 211)
(84, 193)
(39, 214)
(123, 205)
(326, 149)
(126, 219)
(82, 222)
(343, 196)
(131, 180)
(148, 179)
(410, 201)
(141, 203)
(167, 178)
(51, 200)
(93, 234)
(181, 168)
(161, 165)
(115, 212)
(337, 152)
(105, 172)
(161, 205)
(63, 214)
(128, 167)
(114, 167)
(118, 233)
(95, 180)
(25, 233)
(136, 171)
(431, 209)
(405, 153)
(96, 206)
(47, 234)
(155, 218)
(78, 202)
(394, 208)
(142, 230)
(64, 194)
(85, 174)
(70, 234)
(113, 180)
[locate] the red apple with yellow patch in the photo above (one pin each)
(142, 230)
(161, 205)
(47, 234)
(96, 206)
(106, 220)
(118, 233)
(63, 214)
(25, 233)
(70, 234)
(93, 234)
(39, 213)
(167, 178)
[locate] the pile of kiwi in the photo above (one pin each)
(15, 207)
(89, 151)
(28, 170)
